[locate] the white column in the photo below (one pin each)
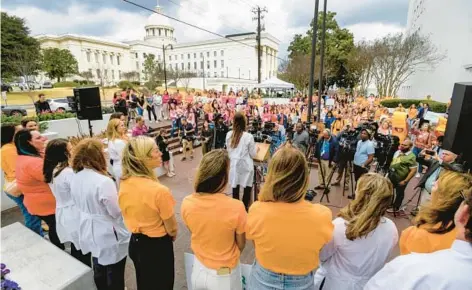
(275, 62)
(267, 61)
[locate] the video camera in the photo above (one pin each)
(260, 133)
(348, 143)
(313, 132)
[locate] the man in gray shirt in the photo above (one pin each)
(301, 138)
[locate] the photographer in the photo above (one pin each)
(401, 171)
(434, 162)
(301, 138)
(187, 137)
(364, 155)
(220, 132)
(327, 152)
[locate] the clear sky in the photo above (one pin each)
(118, 20)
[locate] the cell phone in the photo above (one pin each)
(430, 152)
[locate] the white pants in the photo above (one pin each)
(204, 278)
(158, 112)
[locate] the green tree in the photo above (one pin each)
(87, 75)
(339, 43)
(20, 52)
(152, 72)
(59, 63)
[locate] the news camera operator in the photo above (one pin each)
(364, 155)
(401, 171)
(435, 162)
(326, 153)
(221, 130)
(301, 138)
(348, 133)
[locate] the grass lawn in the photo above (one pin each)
(23, 98)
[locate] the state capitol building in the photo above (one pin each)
(216, 61)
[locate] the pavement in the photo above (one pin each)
(181, 185)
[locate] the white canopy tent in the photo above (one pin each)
(275, 83)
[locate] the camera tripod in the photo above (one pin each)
(348, 170)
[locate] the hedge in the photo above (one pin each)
(125, 85)
(66, 85)
(437, 107)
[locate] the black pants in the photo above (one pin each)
(399, 195)
(359, 171)
(109, 277)
(246, 195)
(153, 260)
(50, 220)
(149, 110)
(86, 259)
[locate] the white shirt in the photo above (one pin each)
(115, 153)
(241, 171)
(348, 265)
(67, 216)
(157, 100)
(448, 269)
(101, 228)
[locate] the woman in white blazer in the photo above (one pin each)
(101, 228)
(58, 174)
(117, 140)
(241, 148)
(362, 239)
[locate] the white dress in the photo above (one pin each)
(241, 171)
(348, 265)
(115, 152)
(102, 231)
(67, 216)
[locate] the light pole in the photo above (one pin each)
(164, 55)
(322, 51)
(312, 63)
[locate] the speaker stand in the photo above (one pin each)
(90, 128)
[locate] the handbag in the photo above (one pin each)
(12, 188)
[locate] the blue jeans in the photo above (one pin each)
(31, 222)
(417, 152)
(263, 279)
(175, 125)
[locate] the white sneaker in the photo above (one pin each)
(418, 175)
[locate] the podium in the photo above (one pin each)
(263, 152)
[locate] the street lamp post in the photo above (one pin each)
(165, 69)
(312, 63)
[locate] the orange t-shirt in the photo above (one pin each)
(419, 240)
(213, 219)
(9, 155)
(38, 197)
(288, 237)
(145, 204)
(412, 113)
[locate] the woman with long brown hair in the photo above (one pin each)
(217, 225)
(363, 237)
(241, 149)
(434, 227)
(101, 229)
(288, 232)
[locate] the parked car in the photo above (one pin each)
(34, 86)
(6, 87)
(13, 111)
(47, 85)
(59, 105)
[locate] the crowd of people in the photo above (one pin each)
(105, 199)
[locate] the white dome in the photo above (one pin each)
(156, 19)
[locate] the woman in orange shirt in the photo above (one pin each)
(288, 232)
(9, 156)
(434, 227)
(217, 225)
(38, 197)
(148, 211)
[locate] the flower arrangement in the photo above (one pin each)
(7, 284)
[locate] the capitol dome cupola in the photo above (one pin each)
(158, 28)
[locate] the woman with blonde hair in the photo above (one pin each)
(241, 148)
(288, 231)
(363, 237)
(434, 227)
(117, 139)
(217, 225)
(148, 211)
(101, 229)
